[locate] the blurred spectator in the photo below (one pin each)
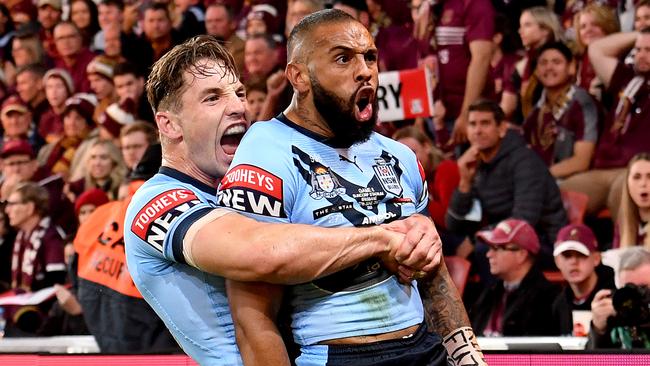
(58, 88)
(260, 57)
(537, 26)
(58, 157)
(255, 95)
(30, 89)
(84, 14)
(157, 29)
(17, 122)
(634, 268)
(38, 252)
(563, 126)
(504, 57)
(568, 9)
(625, 133)
(220, 22)
(592, 23)
(641, 20)
(116, 116)
(633, 223)
(23, 13)
(104, 170)
(129, 84)
(7, 33)
(262, 19)
(117, 315)
(19, 166)
(578, 258)
(519, 303)
(499, 178)
(7, 238)
(26, 50)
(358, 9)
(110, 13)
(298, 9)
(73, 56)
(464, 39)
(49, 15)
(100, 76)
(135, 138)
(512, 9)
(192, 18)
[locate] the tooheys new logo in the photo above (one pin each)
(153, 221)
(251, 189)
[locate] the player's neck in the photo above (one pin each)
(304, 114)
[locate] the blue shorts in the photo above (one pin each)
(420, 349)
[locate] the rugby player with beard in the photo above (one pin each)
(323, 165)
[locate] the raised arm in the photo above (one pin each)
(604, 54)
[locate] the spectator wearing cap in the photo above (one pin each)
(501, 177)
(59, 157)
(158, 30)
(23, 13)
(563, 126)
(262, 19)
(88, 202)
(519, 303)
(49, 15)
(30, 88)
(116, 116)
(17, 122)
(220, 22)
(578, 258)
(129, 84)
(100, 76)
(135, 138)
(58, 88)
(192, 18)
(73, 57)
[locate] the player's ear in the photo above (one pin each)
(168, 124)
(298, 76)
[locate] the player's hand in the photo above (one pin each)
(421, 249)
(601, 309)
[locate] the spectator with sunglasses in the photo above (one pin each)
(519, 303)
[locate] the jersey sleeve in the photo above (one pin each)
(260, 184)
(159, 217)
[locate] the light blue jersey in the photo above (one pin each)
(284, 173)
(192, 303)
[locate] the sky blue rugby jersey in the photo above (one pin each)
(284, 173)
(192, 303)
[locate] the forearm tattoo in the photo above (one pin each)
(463, 349)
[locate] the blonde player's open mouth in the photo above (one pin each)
(232, 137)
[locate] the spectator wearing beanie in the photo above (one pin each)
(88, 202)
(100, 75)
(58, 157)
(116, 116)
(262, 19)
(58, 88)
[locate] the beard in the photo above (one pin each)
(340, 117)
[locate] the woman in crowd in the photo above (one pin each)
(634, 217)
(83, 13)
(104, 170)
(537, 26)
(592, 23)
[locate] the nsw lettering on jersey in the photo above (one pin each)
(252, 189)
(154, 220)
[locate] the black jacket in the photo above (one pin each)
(515, 183)
(563, 304)
(527, 311)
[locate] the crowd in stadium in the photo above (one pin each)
(537, 155)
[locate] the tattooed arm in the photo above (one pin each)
(445, 315)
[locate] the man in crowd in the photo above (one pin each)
(73, 57)
(180, 246)
(157, 29)
(129, 84)
(30, 88)
(135, 138)
(221, 23)
(260, 57)
(326, 167)
(500, 178)
(49, 15)
(563, 126)
(16, 120)
(625, 131)
(578, 258)
(519, 303)
(634, 268)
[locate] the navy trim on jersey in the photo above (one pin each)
(171, 172)
(320, 138)
(181, 230)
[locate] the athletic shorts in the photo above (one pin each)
(420, 349)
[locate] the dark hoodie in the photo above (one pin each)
(515, 183)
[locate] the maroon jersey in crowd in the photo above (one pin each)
(552, 132)
(38, 259)
(626, 131)
(78, 70)
(460, 22)
(499, 75)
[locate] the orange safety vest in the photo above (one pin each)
(100, 245)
